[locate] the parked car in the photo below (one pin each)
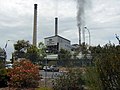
(46, 68)
(7, 66)
(54, 68)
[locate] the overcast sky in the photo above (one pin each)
(102, 17)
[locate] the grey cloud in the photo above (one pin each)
(101, 16)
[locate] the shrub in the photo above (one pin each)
(108, 66)
(72, 80)
(3, 77)
(92, 79)
(24, 74)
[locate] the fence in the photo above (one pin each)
(67, 62)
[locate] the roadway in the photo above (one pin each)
(48, 74)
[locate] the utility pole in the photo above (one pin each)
(117, 37)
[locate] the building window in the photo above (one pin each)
(50, 39)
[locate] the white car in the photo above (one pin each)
(8, 66)
(46, 68)
(54, 68)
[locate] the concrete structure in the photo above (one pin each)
(55, 43)
(35, 26)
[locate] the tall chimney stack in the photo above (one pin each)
(56, 26)
(35, 26)
(79, 35)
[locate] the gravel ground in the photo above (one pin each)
(41, 84)
(7, 88)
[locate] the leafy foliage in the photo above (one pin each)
(24, 74)
(2, 54)
(32, 54)
(3, 75)
(23, 49)
(20, 48)
(71, 80)
(64, 54)
(42, 50)
(83, 49)
(92, 79)
(108, 66)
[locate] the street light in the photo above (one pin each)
(89, 35)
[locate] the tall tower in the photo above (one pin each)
(79, 35)
(56, 26)
(35, 26)
(83, 35)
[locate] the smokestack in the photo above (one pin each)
(80, 19)
(83, 33)
(56, 26)
(79, 35)
(35, 26)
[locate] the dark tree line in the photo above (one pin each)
(107, 63)
(23, 49)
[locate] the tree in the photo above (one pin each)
(71, 80)
(33, 54)
(2, 55)
(107, 63)
(83, 49)
(3, 71)
(42, 50)
(21, 48)
(92, 80)
(64, 54)
(24, 75)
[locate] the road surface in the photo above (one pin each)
(47, 74)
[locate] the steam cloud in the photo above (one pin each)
(80, 12)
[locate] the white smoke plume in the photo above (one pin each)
(81, 4)
(80, 12)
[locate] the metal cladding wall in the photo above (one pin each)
(51, 41)
(58, 40)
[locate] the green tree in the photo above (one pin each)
(83, 48)
(42, 50)
(107, 62)
(20, 48)
(71, 80)
(33, 54)
(2, 55)
(92, 79)
(64, 54)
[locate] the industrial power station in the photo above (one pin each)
(55, 43)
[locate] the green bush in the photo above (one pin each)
(71, 80)
(3, 77)
(107, 60)
(24, 74)
(92, 80)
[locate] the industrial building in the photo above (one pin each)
(55, 43)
